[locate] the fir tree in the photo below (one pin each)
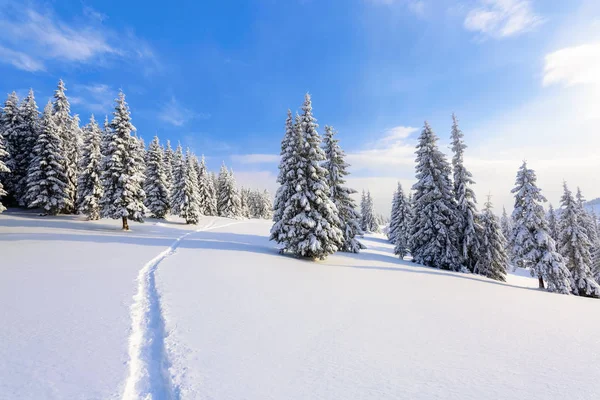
(394, 216)
(310, 215)
(69, 133)
(211, 205)
(245, 199)
(3, 169)
(435, 228)
(552, 224)
(28, 130)
(47, 180)
(532, 245)
(122, 174)
(586, 219)
(206, 195)
(469, 229)
(89, 185)
(228, 202)
(492, 260)
(177, 188)
(403, 221)
(341, 195)
(156, 184)
(575, 246)
(368, 221)
(262, 205)
(185, 191)
(10, 121)
(168, 160)
(287, 175)
(106, 137)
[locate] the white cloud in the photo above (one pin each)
(502, 18)
(30, 39)
(573, 65)
(255, 158)
(176, 114)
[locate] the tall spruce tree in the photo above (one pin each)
(185, 191)
(469, 229)
(28, 130)
(394, 216)
(10, 121)
(311, 217)
(122, 175)
(156, 184)
(69, 133)
(403, 221)
(47, 180)
(575, 246)
(228, 202)
(340, 194)
(586, 218)
(435, 229)
(287, 174)
(368, 220)
(89, 185)
(206, 191)
(178, 167)
(492, 260)
(4, 170)
(168, 160)
(532, 246)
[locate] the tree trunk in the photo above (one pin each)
(125, 225)
(541, 281)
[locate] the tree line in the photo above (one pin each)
(49, 162)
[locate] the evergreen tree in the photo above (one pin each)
(122, 174)
(368, 221)
(3, 168)
(156, 184)
(469, 229)
(341, 195)
(106, 137)
(206, 195)
(394, 216)
(185, 191)
(28, 130)
(403, 220)
(552, 224)
(492, 259)
(211, 205)
(287, 175)
(263, 207)
(435, 230)
(10, 121)
(168, 160)
(177, 188)
(89, 185)
(575, 246)
(69, 133)
(586, 219)
(245, 199)
(532, 245)
(311, 217)
(228, 202)
(47, 180)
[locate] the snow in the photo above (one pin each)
(242, 321)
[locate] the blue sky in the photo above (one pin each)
(219, 76)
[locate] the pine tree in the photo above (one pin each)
(89, 184)
(368, 221)
(245, 199)
(228, 202)
(532, 245)
(435, 229)
(552, 224)
(394, 216)
(403, 221)
(575, 246)
(185, 191)
(206, 195)
(262, 205)
(211, 204)
(106, 137)
(168, 160)
(10, 121)
(47, 180)
(586, 218)
(492, 260)
(3, 169)
(122, 173)
(287, 175)
(177, 192)
(156, 184)
(341, 195)
(311, 217)
(469, 229)
(28, 130)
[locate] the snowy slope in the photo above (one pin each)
(90, 312)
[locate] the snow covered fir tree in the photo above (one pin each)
(185, 199)
(122, 172)
(435, 230)
(89, 184)
(400, 223)
(228, 200)
(310, 222)
(156, 185)
(337, 170)
(492, 260)
(368, 219)
(532, 246)
(3, 170)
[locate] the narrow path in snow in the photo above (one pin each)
(149, 376)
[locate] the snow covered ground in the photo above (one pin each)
(90, 312)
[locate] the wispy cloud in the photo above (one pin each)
(502, 18)
(573, 65)
(31, 39)
(255, 158)
(176, 114)
(97, 98)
